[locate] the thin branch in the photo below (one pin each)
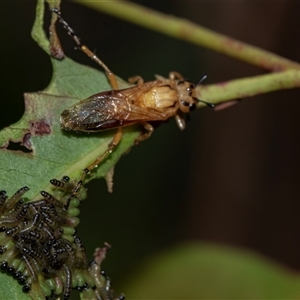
(248, 87)
(191, 32)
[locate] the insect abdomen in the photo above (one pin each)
(96, 113)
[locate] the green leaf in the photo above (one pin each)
(51, 152)
(205, 271)
(55, 153)
(11, 290)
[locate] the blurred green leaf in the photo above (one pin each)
(205, 271)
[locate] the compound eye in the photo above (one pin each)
(185, 103)
(190, 89)
(192, 106)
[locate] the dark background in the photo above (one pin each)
(232, 177)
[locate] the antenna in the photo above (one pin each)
(207, 103)
(199, 82)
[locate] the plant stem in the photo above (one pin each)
(191, 32)
(248, 87)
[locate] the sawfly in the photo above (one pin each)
(146, 102)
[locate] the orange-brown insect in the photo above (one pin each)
(156, 100)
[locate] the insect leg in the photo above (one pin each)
(115, 141)
(180, 121)
(110, 75)
(175, 75)
(136, 79)
(145, 135)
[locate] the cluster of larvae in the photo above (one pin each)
(40, 249)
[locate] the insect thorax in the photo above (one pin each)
(161, 96)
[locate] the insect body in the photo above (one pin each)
(157, 100)
(144, 103)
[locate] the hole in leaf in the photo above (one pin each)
(17, 147)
